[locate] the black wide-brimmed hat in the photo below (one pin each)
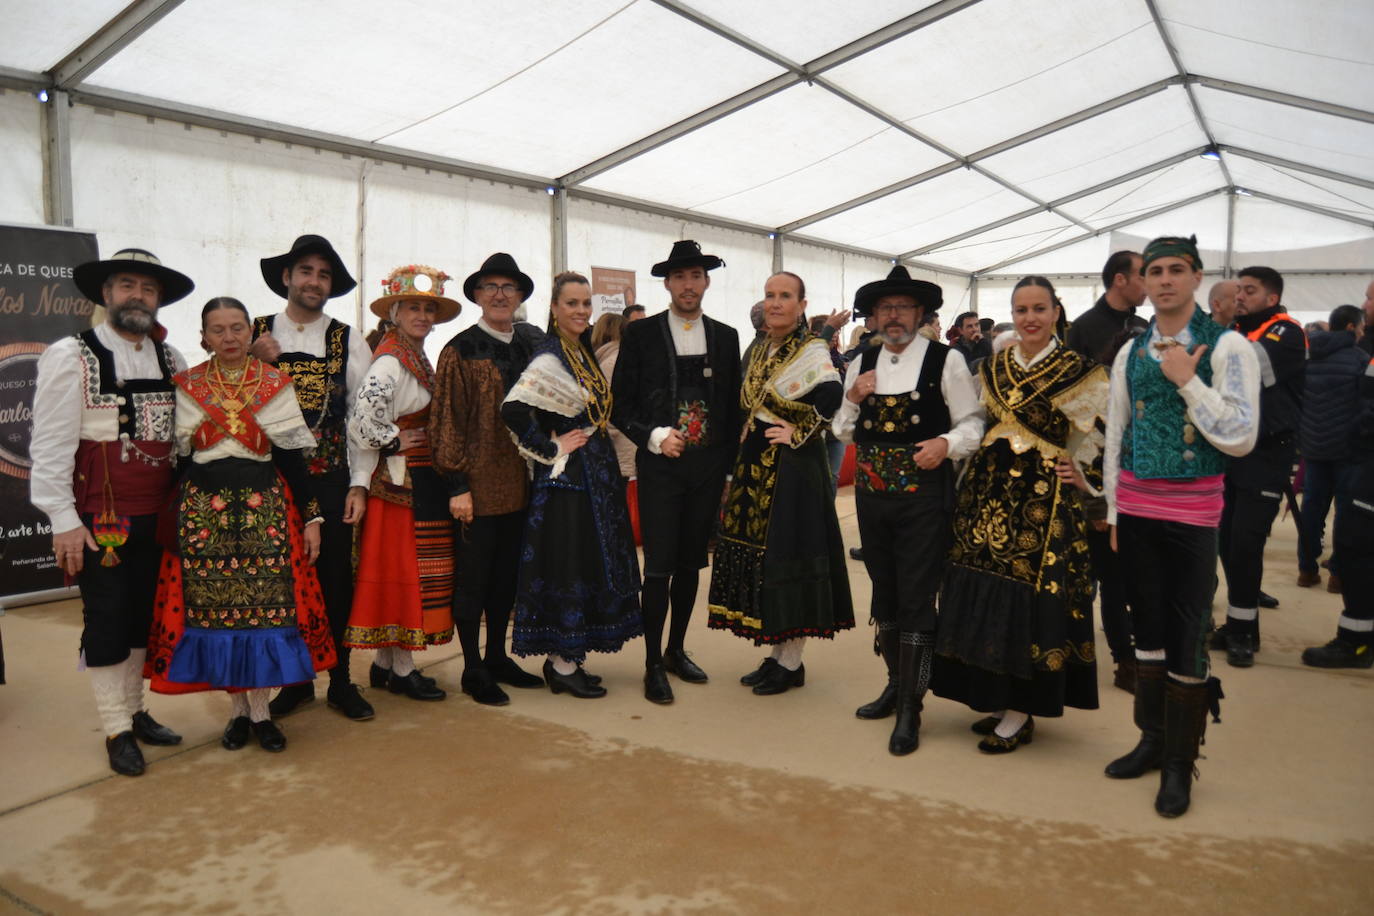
(91, 276)
(500, 265)
(686, 253)
(897, 282)
(342, 281)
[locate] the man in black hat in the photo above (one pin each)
(911, 410)
(676, 396)
(103, 454)
(487, 480)
(327, 361)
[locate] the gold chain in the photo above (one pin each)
(589, 375)
(232, 400)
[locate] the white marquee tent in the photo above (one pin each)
(974, 140)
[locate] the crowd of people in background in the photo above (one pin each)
(331, 492)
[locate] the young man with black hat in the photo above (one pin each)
(327, 361)
(103, 456)
(676, 396)
(1255, 483)
(911, 409)
(487, 480)
(1184, 397)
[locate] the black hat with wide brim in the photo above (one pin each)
(90, 277)
(686, 253)
(499, 265)
(341, 282)
(897, 283)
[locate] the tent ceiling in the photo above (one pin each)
(972, 134)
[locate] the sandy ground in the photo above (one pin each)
(724, 802)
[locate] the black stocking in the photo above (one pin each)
(496, 634)
(684, 593)
(654, 603)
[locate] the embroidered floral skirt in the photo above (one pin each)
(779, 569)
(404, 592)
(1015, 626)
(237, 605)
(578, 590)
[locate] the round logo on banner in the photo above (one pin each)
(18, 375)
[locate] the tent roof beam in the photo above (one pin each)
(109, 40)
(1183, 72)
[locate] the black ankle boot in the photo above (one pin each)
(886, 702)
(913, 676)
(1185, 720)
(1149, 718)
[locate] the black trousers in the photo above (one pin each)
(487, 564)
(1169, 569)
(335, 563)
(1111, 589)
(905, 539)
(1253, 494)
(679, 502)
(117, 601)
(1354, 544)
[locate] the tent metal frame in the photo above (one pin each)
(65, 86)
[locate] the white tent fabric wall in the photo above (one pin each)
(21, 178)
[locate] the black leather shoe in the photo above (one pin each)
(346, 699)
(1217, 642)
(575, 683)
(985, 726)
(758, 674)
(656, 687)
(235, 733)
(125, 757)
(856, 553)
(1240, 650)
(291, 698)
(780, 680)
(150, 731)
(883, 706)
(1339, 653)
(505, 671)
(478, 683)
(680, 663)
(996, 744)
(270, 737)
(591, 678)
(380, 677)
(413, 685)
(1267, 600)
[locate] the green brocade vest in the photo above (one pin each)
(1159, 441)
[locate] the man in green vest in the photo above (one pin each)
(1184, 397)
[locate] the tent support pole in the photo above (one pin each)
(558, 229)
(1230, 233)
(57, 159)
(777, 252)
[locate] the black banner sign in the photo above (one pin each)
(39, 304)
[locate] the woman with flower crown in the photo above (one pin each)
(402, 600)
(238, 606)
(579, 574)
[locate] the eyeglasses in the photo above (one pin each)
(509, 289)
(894, 309)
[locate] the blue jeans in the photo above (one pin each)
(834, 450)
(1322, 481)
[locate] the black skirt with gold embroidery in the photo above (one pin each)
(1015, 628)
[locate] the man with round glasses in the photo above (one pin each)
(911, 411)
(486, 476)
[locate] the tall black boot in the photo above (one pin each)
(913, 677)
(881, 708)
(1185, 721)
(1149, 718)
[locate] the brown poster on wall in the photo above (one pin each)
(612, 290)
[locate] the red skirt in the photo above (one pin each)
(404, 593)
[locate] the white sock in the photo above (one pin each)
(402, 661)
(1186, 679)
(108, 683)
(133, 680)
(1149, 655)
(1011, 723)
(238, 704)
(257, 704)
(562, 665)
(790, 658)
(382, 658)
(776, 653)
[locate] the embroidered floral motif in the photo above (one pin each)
(886, 468)
(691, 422)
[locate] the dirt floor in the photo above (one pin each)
(723, 802)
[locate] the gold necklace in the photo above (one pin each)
(231, 399)
(593, 381)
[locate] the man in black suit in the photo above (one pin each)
(676, 391)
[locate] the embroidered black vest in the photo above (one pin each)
(146, 405)
(889, 425)
(322, 390)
